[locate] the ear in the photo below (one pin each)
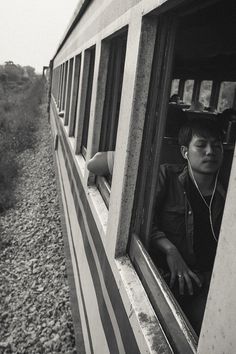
(184, 151)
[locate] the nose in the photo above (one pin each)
(210, 149)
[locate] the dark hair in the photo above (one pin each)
(203, 127)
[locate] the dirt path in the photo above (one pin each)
(35, 315)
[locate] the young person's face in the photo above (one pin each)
(205, 154)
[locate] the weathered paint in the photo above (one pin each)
(218, 330)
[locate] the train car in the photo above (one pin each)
(113, 78)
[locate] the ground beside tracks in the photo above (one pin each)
(35, 314)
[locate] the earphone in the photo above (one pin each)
(198, 189)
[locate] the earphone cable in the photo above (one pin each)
(212, 197)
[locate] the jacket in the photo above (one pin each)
(173, 215)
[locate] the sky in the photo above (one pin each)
(30, 30)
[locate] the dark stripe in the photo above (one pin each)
(121, 316)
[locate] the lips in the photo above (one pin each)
(210, 163)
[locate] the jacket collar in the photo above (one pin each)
(184, 177)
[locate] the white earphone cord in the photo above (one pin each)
(208, 206)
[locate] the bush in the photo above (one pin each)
(19, 114)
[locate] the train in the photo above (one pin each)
(111, 82)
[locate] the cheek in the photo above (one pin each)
(195, 154)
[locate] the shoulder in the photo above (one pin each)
(174, 169)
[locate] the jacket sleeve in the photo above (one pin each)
(162, 185)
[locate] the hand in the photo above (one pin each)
(178, 268)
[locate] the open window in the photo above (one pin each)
(64, 86)
(87, 94)
(74, 97)
(61, 83)
(68, 90)
(185, 57)
(111, 108)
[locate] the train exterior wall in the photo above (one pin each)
(218, 332)
(110, 295)
(115, 313)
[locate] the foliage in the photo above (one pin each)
(20, 98)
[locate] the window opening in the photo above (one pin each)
(174, 87)
(188, 93)
(68, 90)
(227, 96)
(111, 108)
(205, 94)
(161, 160)
(61, 86)
(91, 58)
(113, 93)
(75, 92)
(64, 86)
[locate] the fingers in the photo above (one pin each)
(172, 279)
(195, 277)
(181, 284)
(182, 279)
(185, 277)
(189, 283)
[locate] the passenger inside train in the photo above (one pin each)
(188, 212)
(187, 216)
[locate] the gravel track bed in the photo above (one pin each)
(35, 314)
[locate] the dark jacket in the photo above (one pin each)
(173, 216)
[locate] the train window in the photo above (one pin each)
(188, 92)
(57, 85)
(111, 108)
(153, 213)
(55, 80)
(74, 98)
(205, 93)
(227, 96)
(68, 90)
(174, 87)
(61, 86)
(64, 86)
(89, 68)
(113, 93)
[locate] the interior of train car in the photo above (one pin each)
(198, 81)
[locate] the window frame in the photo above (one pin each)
(177, 327)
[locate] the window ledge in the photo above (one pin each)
(99, 209)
